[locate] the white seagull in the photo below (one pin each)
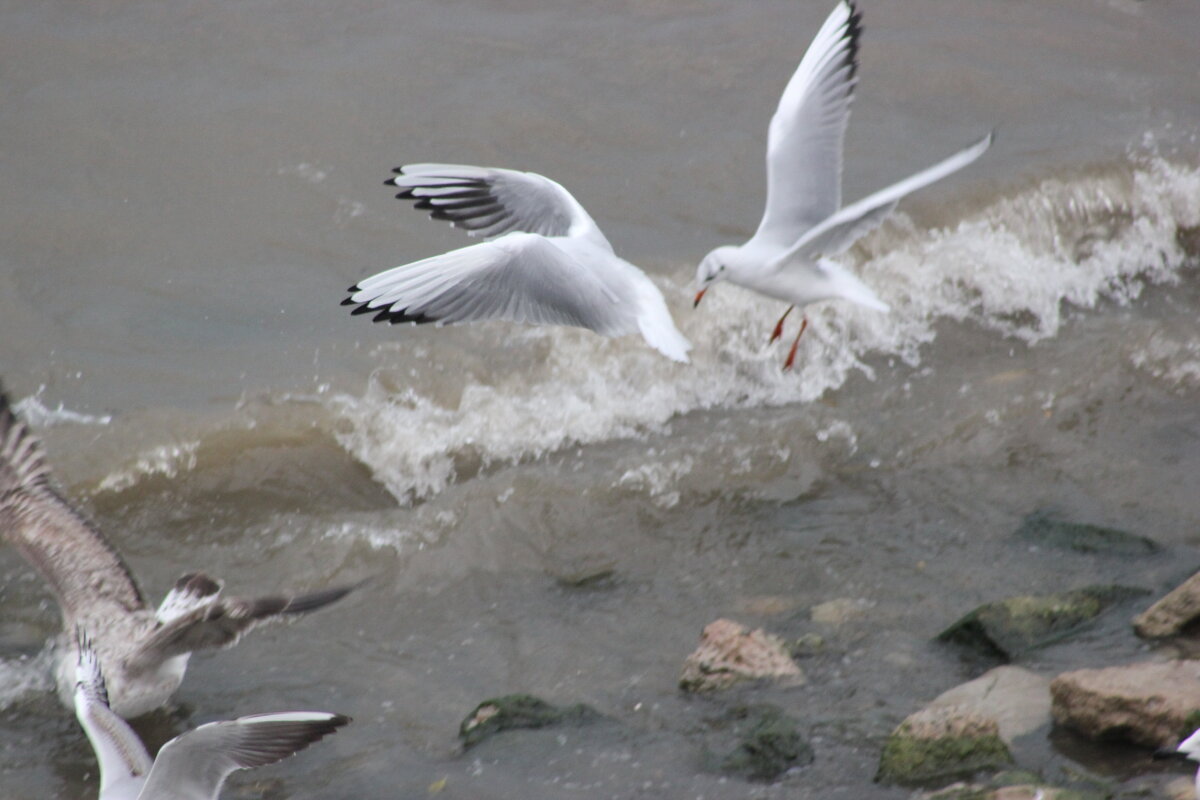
(191, 766)
(1190, 748)
(144, 652)
(544, 262)
(804, 223)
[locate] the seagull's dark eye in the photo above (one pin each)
(721, 268)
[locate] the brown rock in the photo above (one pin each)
(1016, 698)
(1172, 613)
(1147, 703)
(729, 653)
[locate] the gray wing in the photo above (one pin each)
(194, 765)
(492, 202)
(520, 278)
(804, 142)
(842, 229)
(194, 617)
(120, 753)
(72, 555)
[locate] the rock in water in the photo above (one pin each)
(1044, 529)
(519, 711)
(1016, 698)
(730, 653)
(769, 743)
(1007, 628)
(1152, 704)
(941, 744)
(1174, 612)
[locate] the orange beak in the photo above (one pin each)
(699, 297)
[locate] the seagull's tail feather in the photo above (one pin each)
(845, 284)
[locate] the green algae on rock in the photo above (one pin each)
(1005, 629)
(941, 744)
(515, 711)
(769, 743)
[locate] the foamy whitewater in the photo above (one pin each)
(187, 189)
(1014, 266)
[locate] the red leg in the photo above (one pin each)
(792, 353)
(779, 325)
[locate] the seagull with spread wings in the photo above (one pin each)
(193, 765)
(144, 652)
(544, 261)
(804, 224)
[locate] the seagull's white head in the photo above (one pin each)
(714, 267)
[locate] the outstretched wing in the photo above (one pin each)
(85, 572)
(119, 752)
(521, 278)
(194, 617)
(842, 229)
(492, 202)
(194, 765)
(804, 142)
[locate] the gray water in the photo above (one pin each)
(187, 188)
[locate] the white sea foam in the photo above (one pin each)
(38, 414)
(1009, 267)
(167, 460)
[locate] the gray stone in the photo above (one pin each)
(1016, 698)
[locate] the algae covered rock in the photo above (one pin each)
(730, 653)
(1047, 530)
(941, 744)
(519, 711)
(769, 743)
(1007, 628)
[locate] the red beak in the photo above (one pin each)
(699, 297)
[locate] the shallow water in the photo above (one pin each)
(185, 190)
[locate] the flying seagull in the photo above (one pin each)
(804, 224)
(544, 261)
(144, 652)
(191, 766)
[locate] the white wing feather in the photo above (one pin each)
(804, 143)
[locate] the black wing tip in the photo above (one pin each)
(854, 30)
(301, 604)
(388, 313)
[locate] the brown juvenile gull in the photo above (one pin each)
(193, 765)
(143, 652)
